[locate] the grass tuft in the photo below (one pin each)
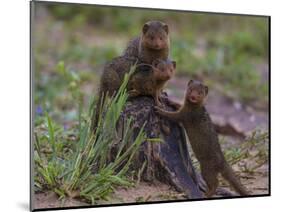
(85, 169)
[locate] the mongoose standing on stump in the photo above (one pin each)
(110, 81)
(151, 81)
(203, 138)
(154, 43)
(151, 46)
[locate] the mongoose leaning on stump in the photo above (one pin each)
(203, 138)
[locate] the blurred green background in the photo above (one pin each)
(229, 52)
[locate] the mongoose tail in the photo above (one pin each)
(229, 175)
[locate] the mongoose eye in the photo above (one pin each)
(151, 37)
(161, 38)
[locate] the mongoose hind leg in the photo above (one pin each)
(157, 102)
(163, 123)
(165, 127)
(157, 99)
(211, 178)
(133, 93)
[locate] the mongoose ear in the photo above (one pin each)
(145, 28)
(174, 64)
(190, 82)
(206, 90)
(166, 28)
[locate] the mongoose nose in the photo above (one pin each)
(193, 97)
(156, 46)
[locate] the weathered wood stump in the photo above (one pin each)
(167, 161)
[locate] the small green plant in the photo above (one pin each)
(253, 149)
(83, 170)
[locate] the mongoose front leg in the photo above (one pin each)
(174, 116)
(174, 104)
(157, 99)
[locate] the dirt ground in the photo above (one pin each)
(147, 192)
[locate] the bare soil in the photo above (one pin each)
(148, 192)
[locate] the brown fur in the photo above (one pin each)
(113, 74)
(203, 137)
(154, 43)
(151, 81)
(110, 81)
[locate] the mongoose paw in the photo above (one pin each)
(158, 103)
(133, 93)
(157, 109)
(165, 99)
(210, 193)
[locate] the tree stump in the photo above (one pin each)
(166, 161)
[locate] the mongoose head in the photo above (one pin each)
(196, 92)
(155, 35)
(164, 69)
